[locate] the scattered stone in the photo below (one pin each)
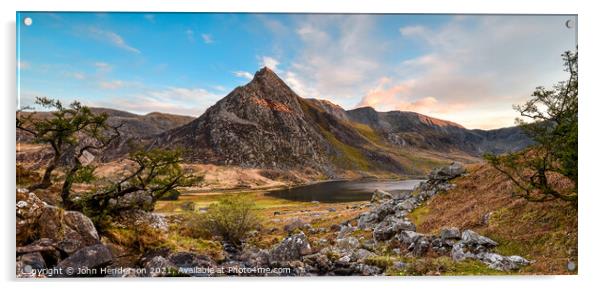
(367, 270)
(380, 195)
(420, 247)
(390, 227)
(398, 265)
(473, 239)
(187, 262)
(367, 219)
(447, 172)
(159, 266)
(486, 217)
(502, 263)
(318, 263)
(294, 225)
(408, 237)
(350, 243)
(34, 260)
(92, 257)
(291, 248)
(450, 234)
(137, 218)
(362, 254)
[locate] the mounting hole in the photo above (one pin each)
(27, 21)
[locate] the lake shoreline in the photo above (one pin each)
(291, 186)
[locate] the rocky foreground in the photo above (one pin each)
(67, 243)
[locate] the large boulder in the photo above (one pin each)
(502, 263)
(290, 249)
(390, 226)
(28, 209)
(407, 238)
(72, 230)
(349, 243)
(473, 239)
(450, 234)
(367, 220)
(447, 172)
(295, 224)
(92, 257)
(159, 266)
(380, 195)
(318, 263)
(190, 263)
(255, 257)
(459, 253)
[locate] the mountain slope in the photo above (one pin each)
(409, 129)
(484, 200)
(134, 126)
(265, 124)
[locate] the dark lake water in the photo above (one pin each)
(342, 191)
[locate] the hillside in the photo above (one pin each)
(409, 129)
(134, 126)
(482, 200)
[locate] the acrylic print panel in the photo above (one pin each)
(224, 144)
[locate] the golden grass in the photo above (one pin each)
(543, 232)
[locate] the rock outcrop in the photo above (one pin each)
(387, 219)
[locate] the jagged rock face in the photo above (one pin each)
(261, 124)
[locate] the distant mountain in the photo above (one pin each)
(265, 124)
(134, 126)
(409, 129)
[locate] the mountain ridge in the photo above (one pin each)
(265, 124)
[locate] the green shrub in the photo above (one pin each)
(231, 218)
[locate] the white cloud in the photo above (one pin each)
(476, 68)
(339, 57)
(269, 62)
(207, 38)
(111, 85)
(175, 100)
(243, 74)
(119, 84)
(113, 38)
(103, 67)
(412, 30)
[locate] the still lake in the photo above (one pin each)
(342, 191)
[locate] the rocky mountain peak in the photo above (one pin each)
(267, 84)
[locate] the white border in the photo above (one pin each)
(589, 62)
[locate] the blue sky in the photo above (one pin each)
(463, 68)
